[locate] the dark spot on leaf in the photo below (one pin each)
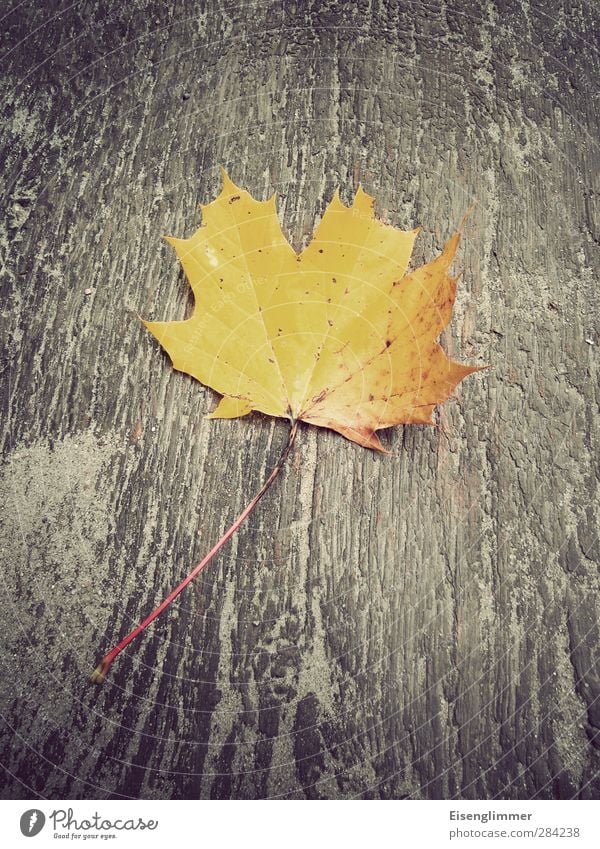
(320, 250)
(234, 198)
(371, 397)
(388, 342)
(330, 322)
(333, 280)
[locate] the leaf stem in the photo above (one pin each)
(101, 670)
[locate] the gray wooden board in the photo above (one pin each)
(423, 624)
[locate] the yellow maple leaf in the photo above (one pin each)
(338, 335)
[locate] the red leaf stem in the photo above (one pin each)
(101, 670)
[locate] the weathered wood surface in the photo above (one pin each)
(418, 625)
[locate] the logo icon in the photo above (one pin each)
(32, 822)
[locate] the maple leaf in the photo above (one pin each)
(338, 335)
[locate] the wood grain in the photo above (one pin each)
(420, 625)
